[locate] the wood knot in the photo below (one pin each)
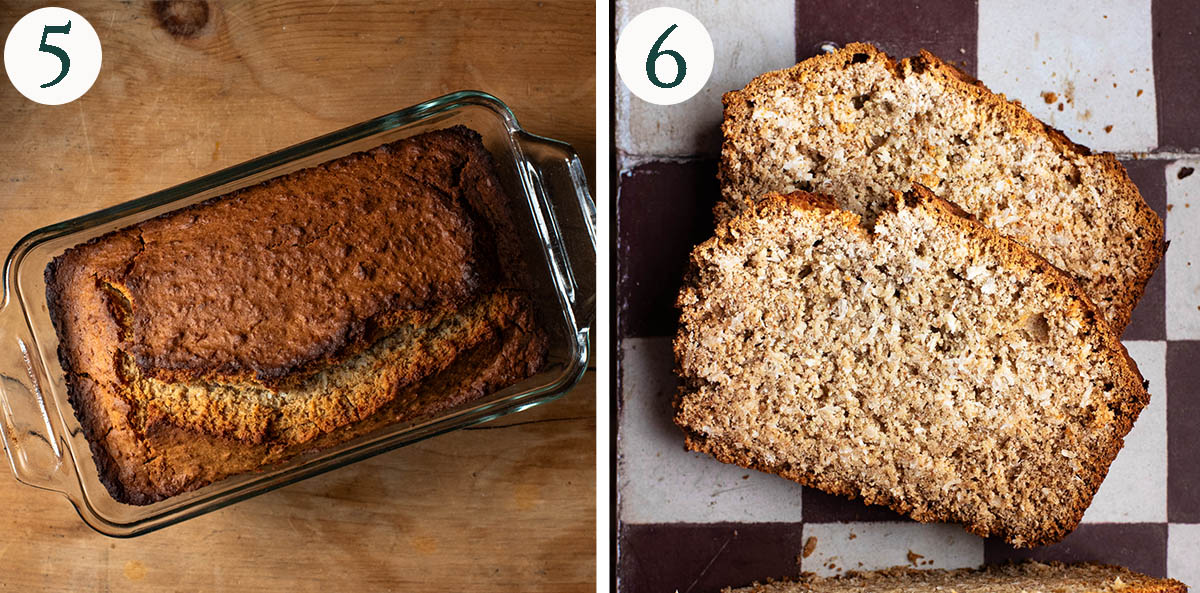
(183, 19)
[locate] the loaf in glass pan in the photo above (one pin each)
(555, 223)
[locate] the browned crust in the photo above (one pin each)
(1052, 526)
(1125, 194)
(145, 453)
(144, 465)
(469, 182)
(1135, 582)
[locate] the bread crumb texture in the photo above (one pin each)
(854, 124)
(1028, 577)
(925, 363)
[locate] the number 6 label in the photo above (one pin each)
(52, 56)
(664, 56)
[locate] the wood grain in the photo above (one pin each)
(190, 90)
(259, 76)
(509, 506)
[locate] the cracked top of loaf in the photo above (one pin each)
(294, 315)
(273, 280)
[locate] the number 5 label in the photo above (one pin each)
(52, 56)
(664, 56)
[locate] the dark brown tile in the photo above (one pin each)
(819, 507)
(1176, 64)
(948, 28)
(663, 210)
(1149, 316)
(1183, 430)
(1149, 175)
(691, 558)
(1138, 546)
(1148, 321)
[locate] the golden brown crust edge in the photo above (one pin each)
(1153, 244)
(1131, 384)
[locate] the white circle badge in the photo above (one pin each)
(664, 56)
(52, 56)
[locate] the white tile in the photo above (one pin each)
(840, 547)
(1135, 490)
(1183, 256)
(748, 39)
(658, 480)
(1183, 553)
(1078, 50)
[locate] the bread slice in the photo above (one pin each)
(925, 363)
(854, 124)
(1006, 578)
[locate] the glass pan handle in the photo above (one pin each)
(559, 176)
(37, 454)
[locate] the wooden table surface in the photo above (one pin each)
(191, 88)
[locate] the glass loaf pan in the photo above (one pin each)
(556, 223)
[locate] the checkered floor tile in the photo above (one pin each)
(690, 524)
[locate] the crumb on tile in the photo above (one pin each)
(810, 545)
(914, 557)
(1108, 129)
(1049, 96)
(1185, 172)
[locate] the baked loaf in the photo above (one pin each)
(292, 315)
(925, 363)
(1028, 577)
(854, 124)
